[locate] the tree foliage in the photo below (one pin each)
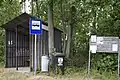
(100, 17)
(8, 10)
(77, 19)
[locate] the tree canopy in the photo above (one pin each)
(9, 9)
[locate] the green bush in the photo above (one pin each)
(78, 60)
(104, 62)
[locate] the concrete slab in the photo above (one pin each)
(20, 69)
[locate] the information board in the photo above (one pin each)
(107, 44)
(104, 44)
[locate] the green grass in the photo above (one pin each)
(103, 76)
(1, 64)
(70, 74)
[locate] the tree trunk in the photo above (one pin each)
(70, 33)
(37, 7)
(68, 42)
(50, 27)
(31, 44)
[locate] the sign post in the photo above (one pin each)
(35, 29)
(118, 64)
(35, 55)
(89, 62)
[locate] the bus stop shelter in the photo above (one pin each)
(19, 44)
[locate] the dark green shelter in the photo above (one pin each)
(19, 44)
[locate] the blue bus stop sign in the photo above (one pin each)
(35, 26)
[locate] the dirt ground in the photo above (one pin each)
(10, 75)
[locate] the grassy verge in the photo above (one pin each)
(70, 74)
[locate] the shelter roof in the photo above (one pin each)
(21, 21)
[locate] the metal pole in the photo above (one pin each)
(41, 50)
(118, 64)
(35, 56)
(89, 65)
(5, 48)
(118, 59)
(89, 61)
(41, 46)
(32, 41)
(30, 49)
(38, 60)
(16, 51)
(44, 41)
(89, 54)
